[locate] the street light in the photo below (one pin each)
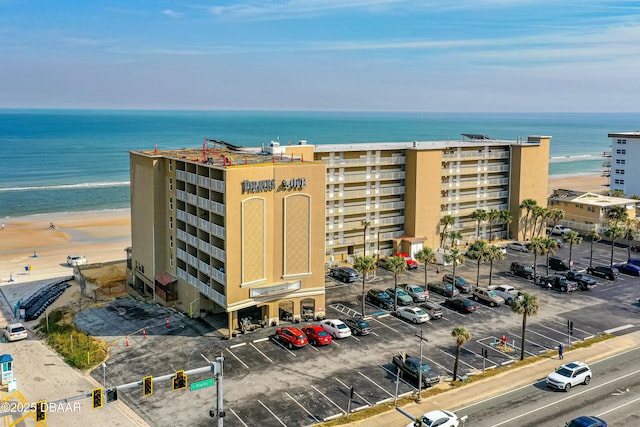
(420, 368)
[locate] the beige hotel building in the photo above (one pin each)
(251, 231)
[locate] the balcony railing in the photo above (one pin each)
(475, 155)
(371, 207)
(204, 288)
(365, 177)
(336, 163)
(358, 194)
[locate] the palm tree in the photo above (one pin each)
(572, 238)
(397, 265)
(427, 256)
(629, 234)
(454, 257)
(462, 335)
(364, 265)
(527, 306)
(536, 245)
(455, 236)
(366, 225)
(479, 215)
(446, 221)
(527, 204)
(493, 216)
(614, 233)
(495, 253)
(593, 236)
(544, 214)
(556, 215)
(537, 212)
(550, 247)
(479, 250)
(617, 214)
(506, 218)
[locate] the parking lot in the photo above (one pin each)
(267, 384)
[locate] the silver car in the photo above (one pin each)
(518, 246)
(416, 292)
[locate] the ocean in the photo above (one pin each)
(77, 160)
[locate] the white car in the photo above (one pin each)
(76, 260)
(518, 246)
(336, 328)
(507, 292)
(15, 332)
(415, 314)
(568, 375)
(438, 418)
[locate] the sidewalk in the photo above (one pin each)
(501, 383)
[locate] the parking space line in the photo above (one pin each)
(303, 408)
(261, 340)
(238, 345)
(237, 358)
(459, 359)
(281, 346)
(238, 417)
(544, 336)
(375, 384)
(565, 326)
(265, 356)
(385, 325)
(354, 337)
(618, 329)
(354, 392)
(436, 363)
(326, 397)
(271, 412)
(395, 374)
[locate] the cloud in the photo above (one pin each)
(172, 13)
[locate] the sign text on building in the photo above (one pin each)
(270, 185)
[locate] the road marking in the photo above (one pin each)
(375, 384)
(566, 398)
(459, 360)
(436, 363)
(238, 345)
(354, 337)
(618, 329)
(265, 356)
(303, 408)
(271, 412)
(385, 325)
(239, 419)
(565, 327)
(544, 336)
(237, 358)
(618, 407)
(261, 340)
(354, 392)
(326, 397)
(281, 346)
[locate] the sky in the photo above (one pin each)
(325, 55)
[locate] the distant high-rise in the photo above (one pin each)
(625, 162)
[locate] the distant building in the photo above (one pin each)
(251, 231)
(584, 211)
(625, 162)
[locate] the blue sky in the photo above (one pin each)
(389, 55)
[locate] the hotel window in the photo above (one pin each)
(621, 141)
(170, 184)
(590, 209)
(621, 161)
(619, 181)
(171, 222)
(170, 203)
(170, 166)
(170, 241)
(621, 151)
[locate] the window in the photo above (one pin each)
(171, 222)
(170, 241)
(621, 141)
(619, 171)
(590, 209)
(621, 161)
(170, 184)
(170, 165)
(619, 181)
(621, 151)
(170, 203)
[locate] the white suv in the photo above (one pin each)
(568, 375)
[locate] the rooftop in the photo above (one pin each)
(588, 198)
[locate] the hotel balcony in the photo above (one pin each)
(357, 194)
(475, 155)
(202, 181)
(475, 196)
(369, 207)
(474, 183)
(473, 169)
(338, 163)
(365, 177)
(204, 288)
(357, 225)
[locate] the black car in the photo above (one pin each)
(584, 282)
(357, 325)
(558, 263)
(379, 298)
(445, 289)
(609, 273)
(344, 274)
(522, 270)
(461, 283)
(626, 268)
(461, 305)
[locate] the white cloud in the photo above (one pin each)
(172, 13)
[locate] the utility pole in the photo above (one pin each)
(420, 368)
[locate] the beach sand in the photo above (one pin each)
(102, 236)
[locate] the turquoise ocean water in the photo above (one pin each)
(77, 160)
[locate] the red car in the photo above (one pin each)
(292, 336)
(317, 335)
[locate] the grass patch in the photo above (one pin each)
(443, 387)
(76, 348)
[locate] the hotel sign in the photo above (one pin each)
(270, 185)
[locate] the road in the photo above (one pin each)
(611, 395)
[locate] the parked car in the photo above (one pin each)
(379, 298)
(73, 260)
(518, 247)
(610, 273)
(416, 292)
(634, 261)
(460, 283)
(584, 282)
(403, 296)
(507, 292)
(522, 270)
(587, 421)
(487, 296)
(411, 366)
(414, 314)
(384, 263)
(344, 274)
(15, 332)
(292, 336)
(462, 305)
(626, 268)
(336, 328)
(558, 263)
(433, 310)
(558, 229)
(439, 418)
(358, 325)
(635, 248)
(412, 264)
(445, 289)
(556, 282)
(569, 375)
(317, 335)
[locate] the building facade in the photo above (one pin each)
(625, 162)
(251, 231)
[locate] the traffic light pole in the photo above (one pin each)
(219, 400)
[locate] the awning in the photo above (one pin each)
(165, 279)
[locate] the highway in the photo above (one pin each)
(612, 395)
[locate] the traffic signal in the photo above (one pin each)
(41, 410)
(112, 395)
(179, 381)
(98, 400)
(147, 386)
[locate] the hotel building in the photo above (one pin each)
(625, 159)
(251, 231)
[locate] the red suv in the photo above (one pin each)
(317, 335)
(292, 336)
(412, 264)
